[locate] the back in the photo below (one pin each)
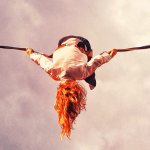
(67, 57)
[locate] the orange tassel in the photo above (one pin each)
(70, 100)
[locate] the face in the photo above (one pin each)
(82, 50)
(89, 54)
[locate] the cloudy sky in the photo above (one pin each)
(117, 115)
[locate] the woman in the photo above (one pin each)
(71, 62)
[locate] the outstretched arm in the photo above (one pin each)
(85, 70)
(101, 59)
(41, 60)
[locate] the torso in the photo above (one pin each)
(65, 58)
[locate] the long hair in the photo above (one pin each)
(70, 100)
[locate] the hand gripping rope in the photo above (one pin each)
(50, 56)
(24, 49)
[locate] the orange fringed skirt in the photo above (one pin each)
(70, 100)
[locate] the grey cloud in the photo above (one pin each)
(117, 115)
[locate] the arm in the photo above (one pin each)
(85, 70)
(41, 60)
(101, 59)
(97, 61)
(91, 79)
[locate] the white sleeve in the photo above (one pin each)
(41, 60)
(85, 70)
(98, 60)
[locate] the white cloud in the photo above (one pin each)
(117, 110)
(23, 12)
(133, 16)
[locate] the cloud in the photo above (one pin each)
(117, 115)
(133, 16)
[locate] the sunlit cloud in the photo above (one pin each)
(117, 111)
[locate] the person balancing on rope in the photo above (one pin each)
(72, 61)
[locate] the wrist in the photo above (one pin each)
(29, 51)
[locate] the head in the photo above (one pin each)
(89, 53)
(70, 100)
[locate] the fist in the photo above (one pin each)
(112, 53)
(29, 51)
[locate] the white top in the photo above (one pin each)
(70, 63)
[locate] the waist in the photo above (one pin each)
(63, 45)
